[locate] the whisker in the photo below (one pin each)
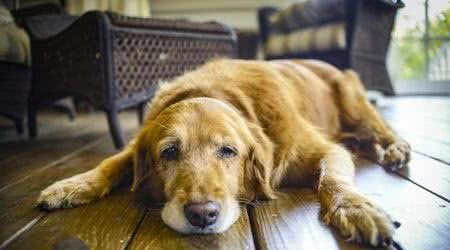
(247, 202)
(162, 125)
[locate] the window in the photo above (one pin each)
(419, 57)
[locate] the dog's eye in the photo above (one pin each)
(170, 153)
(227, 152)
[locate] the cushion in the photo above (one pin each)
(307, 13)
(326, 37)
(14, 41)
(312, 25)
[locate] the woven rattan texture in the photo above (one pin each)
(142, 60)
(167, 24)
(70, 63)
(14, 87)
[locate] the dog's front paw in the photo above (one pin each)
(79, 189)
(395, 156)
(359, 220)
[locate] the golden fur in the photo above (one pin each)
(285, 120)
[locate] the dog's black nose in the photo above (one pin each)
(202, 214)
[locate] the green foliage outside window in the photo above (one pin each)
(410, 51)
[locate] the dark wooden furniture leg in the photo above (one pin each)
(114, 128)
(141, 112)
(32, 120)
(19, 126)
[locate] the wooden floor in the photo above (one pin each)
(418, 197)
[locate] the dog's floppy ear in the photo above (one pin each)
(144, 172)
(259, 163)
(141, 161)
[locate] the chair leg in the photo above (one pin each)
(32, 120)
(115, 130)
(19, 126)
(141, 113)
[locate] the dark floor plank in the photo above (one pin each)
(428, 173)
(153, 234)
(48, 123)
(17, 200)
(28, 157)
(55, 126)
(106, 224)
(292, 222)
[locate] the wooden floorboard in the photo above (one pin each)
(105, 224)
(423, 124)
(428, 173)
(29, 157)
(18, 199)
(153, 234)
(425, 217)
(292, 222)
(433, 149)
(430, 108)
(48, 123)
(418, 196)
(430, 130)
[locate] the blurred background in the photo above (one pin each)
(420, 48)
(418, 59)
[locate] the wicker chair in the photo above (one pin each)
(15, 77)
(114, 61)
(15, 81)
(368, 26)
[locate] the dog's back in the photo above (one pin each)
(273, 94)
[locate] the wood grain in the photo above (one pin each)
(48, 123)
(27, 157)
(17, 200)
(425, 218)
(105, 224)
(431, 130)
(433, 149)
(417, 197)
(153, 234)
(415, 109)
(428, 173)
(292, 222)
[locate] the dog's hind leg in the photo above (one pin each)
(363, 128)
(88, 186)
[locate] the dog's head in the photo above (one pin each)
(199, 156)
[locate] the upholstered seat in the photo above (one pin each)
(347, 33)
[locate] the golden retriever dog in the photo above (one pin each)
(238, 130)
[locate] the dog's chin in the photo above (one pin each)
(173, 216)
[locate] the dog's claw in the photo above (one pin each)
(388, 241)
(42, 205)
